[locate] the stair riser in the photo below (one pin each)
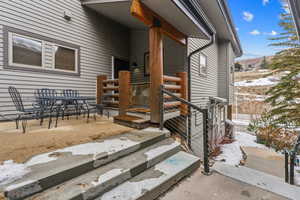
(161, 189)
(37, 186)
(108, 185)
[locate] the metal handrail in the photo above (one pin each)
(182, 100)
(205, 123)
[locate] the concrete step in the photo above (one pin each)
(53, 168)
(156, 180)
(259, 179)
(98, 181)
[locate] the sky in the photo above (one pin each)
(256, 21)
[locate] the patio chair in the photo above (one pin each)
(77, 104)
(83, 105)
(47, 105)
(22, 113)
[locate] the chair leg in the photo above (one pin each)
(17, 122)
(88, 116)
(50, 120)
(24, 125)
(57, 116)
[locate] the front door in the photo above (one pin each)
(119, 65)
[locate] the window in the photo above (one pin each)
(202, 64)
(25, 51)
(65, 59)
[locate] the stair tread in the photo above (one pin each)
(53, 168)
(155, 180)
(93, 183)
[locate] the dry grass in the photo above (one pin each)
(257, 90)
(20, 147)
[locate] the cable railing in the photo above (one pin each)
(188, 121)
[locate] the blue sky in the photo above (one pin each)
(256, 21)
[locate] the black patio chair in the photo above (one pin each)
(45, 100)
(83, 106)
(69, 105)
(22, 113)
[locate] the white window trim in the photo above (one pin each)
(53, 59)
(10, 52)
(200, 66)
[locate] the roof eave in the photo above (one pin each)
(294, 6)
(226, 13)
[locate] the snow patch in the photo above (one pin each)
(107, 176)
(241, 122)
(14, 186)
(271, 80)
(107, 146)
(232, 153)
(297, 175)
(10, 171)
(157, 151)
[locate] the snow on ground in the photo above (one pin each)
(271, 80)
(297, 175)
(10, 171)
(232, 153)
(241, 122)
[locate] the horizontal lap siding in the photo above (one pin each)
(223, 81)
(202, 88)
(98, 37)
(231, 77)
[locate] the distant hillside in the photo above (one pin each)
(253, 63)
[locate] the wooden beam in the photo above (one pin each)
(100, 92)
(124, 92)
(184, 91)
(156, 71)
(147, 16)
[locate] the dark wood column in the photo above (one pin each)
(156, 70)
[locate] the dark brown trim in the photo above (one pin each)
(7, 29)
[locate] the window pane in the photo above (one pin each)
(26, 51)
(202, 60)
(65, 59)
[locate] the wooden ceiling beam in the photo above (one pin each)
(147, 16)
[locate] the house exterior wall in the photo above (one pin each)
(98, 39)
(202, 87)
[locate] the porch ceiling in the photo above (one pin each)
(171, 10)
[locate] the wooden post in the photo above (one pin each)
(124, 92)
(156, 71)
(183, 91)
(229, 112)
(100, 86)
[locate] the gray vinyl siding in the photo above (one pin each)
(98, 38)
(225, 77)
(202, 87)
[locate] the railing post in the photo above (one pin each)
(292, 163)
(205, 143)
(124, 91)
(161, 105)
(286, 166)
(184, 91)
(99, 88)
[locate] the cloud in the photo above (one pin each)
(248, 16)
(273, 33)
(265, 2)
(285, 6)
(255, 32)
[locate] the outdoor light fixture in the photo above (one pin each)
(67, 15)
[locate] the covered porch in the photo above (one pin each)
(158, 55)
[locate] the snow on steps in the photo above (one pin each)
(96, 182)
(155, 181)
(51, 169)
(259, 179)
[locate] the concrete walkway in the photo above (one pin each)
(265, 161)
(216, 187)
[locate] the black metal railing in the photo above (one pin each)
(290, 161)
(187, 120)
